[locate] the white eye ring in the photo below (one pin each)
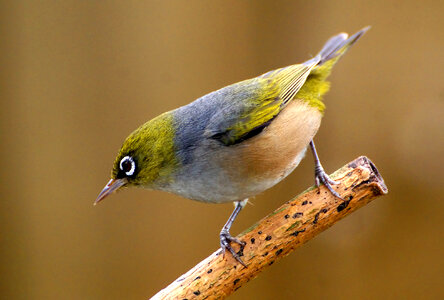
(133, 165)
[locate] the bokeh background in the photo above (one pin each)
(78, 76)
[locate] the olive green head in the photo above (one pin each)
(147, 157)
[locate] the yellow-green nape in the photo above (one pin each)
(152, 148)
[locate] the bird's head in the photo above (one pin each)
(147, 157)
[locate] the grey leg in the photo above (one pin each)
(225, 236)
(320, 175)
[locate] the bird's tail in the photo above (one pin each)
(317, 85)
(336, 46)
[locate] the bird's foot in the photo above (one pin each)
(322, 177)
(225, 240)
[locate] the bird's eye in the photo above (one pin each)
(128, 165)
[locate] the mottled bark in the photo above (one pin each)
(278, 234)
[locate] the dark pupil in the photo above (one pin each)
(126, 165)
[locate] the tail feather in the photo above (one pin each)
(338, 45)
(316, 84)
(331, 46)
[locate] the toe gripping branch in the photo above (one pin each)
(321, 176)
(226, 238)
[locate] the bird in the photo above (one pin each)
(236, 142)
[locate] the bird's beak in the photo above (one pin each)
(110, 187)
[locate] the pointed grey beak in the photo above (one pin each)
(110, 187)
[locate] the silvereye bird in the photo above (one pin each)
(236, 142)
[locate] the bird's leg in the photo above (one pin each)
(320, 175)
(225, 236)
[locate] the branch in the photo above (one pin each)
(278, 234)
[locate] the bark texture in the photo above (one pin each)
(278, 234)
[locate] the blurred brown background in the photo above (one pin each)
(78, 76)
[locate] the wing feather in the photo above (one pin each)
(256, 102)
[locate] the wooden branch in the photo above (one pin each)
(278, 234)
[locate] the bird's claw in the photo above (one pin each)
(322, 177)
(225, 240)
